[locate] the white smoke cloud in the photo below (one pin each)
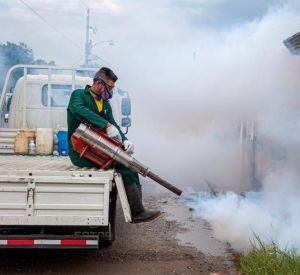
(188, 112)
(272, 213)
(244, 73)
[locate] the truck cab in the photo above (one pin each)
(40, 100)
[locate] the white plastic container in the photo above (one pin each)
(31, 147)
(44, 141)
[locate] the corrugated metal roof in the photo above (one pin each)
(293, 43)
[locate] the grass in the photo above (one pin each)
(269, 260)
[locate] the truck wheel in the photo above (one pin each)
(112, 218)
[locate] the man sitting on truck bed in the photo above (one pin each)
(91, 105)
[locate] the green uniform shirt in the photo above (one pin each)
(82, 108)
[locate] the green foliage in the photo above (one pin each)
(43, 62)
(269, 260)
(12, 54)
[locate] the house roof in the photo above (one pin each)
(293, 44)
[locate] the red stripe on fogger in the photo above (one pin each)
(73, 242)
(20, 242)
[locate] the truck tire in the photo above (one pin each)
(112, 218)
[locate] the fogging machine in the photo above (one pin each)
(96, 146)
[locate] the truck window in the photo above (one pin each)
(60, 94)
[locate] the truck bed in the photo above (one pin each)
(48, 163)
(48, 190)
(46, 202)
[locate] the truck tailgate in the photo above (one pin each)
(46, 190)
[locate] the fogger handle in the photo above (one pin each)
(164, 183)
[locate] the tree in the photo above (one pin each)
(12, 54)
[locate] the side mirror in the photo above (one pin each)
(126, 107)
(8, 102)
(6, 116)
(126, 122)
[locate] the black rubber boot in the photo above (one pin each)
(139, 213)
(139, 186)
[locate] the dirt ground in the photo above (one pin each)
(163, 246)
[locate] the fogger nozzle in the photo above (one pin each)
(105, 146)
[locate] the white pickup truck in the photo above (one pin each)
(45, 201)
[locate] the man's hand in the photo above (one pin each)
(112, 132)
(129, 147)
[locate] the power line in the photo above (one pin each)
(51, 26)
(98, 57)
(75, 63)
(84, 3)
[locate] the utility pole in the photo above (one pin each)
(194, 57)
(88, 43)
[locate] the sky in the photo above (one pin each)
(138, 26)
(149, 36)
(144, 32)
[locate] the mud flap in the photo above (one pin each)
(123, 197)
